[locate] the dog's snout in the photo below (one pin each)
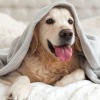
(66, 34)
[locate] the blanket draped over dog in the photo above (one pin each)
(10, 59)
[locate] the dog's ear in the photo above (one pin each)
(78, 47)
(34, 42)
(78, 44)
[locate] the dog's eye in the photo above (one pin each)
(50, 21)
(70, 21)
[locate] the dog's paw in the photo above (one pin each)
(19, 91)
(76, 75)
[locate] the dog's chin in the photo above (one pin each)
(63, 51)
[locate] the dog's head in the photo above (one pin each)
(56, 33)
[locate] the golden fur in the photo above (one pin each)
(41, 66)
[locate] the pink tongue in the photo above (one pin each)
(63, 53)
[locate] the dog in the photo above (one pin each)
(53, 56)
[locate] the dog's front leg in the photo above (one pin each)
(19, 90)
(77, 75)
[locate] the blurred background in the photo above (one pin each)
(24, 10)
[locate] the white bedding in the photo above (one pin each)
(81, 90)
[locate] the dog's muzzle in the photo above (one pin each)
(64, 50)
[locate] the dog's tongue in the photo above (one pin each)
(63, 53)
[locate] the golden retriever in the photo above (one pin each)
(53, 56)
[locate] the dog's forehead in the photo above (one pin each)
(55, 12)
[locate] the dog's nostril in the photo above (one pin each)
(62, 34)
(70, 34)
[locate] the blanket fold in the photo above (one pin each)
(10, 59)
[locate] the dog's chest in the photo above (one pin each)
(47, 71)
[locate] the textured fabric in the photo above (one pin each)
(9, 30)
(90, 45)
(81, 90)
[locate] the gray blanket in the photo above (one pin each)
(11, 58)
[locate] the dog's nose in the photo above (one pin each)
(66, 34)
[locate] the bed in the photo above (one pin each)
(81, 90)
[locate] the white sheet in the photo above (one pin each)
(81, 90)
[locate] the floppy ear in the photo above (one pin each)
(78, 44)
(34, 42)
(78, 47)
